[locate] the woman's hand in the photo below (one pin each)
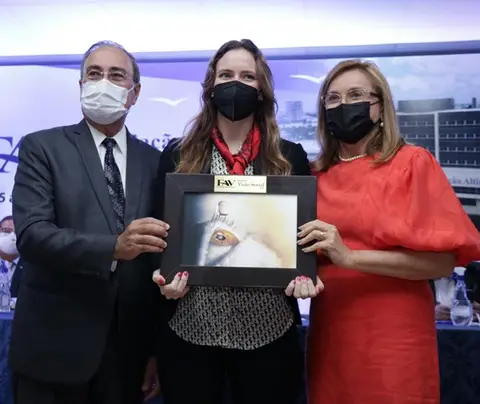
(328, 240)
(302, 287)
(175, 290)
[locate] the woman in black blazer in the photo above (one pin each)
(244, 336)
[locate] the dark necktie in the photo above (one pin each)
(114, 184)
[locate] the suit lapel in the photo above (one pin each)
(86, 146)
(134, 179)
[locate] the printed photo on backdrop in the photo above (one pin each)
(238, 230)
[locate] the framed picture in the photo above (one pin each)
(238, 231)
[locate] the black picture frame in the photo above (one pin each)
(178, 187)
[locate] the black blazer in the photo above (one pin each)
(293, 152)
(66, 235)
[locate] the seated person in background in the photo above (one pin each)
(444, 289)
(9, 253)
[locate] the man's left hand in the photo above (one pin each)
(151, 386)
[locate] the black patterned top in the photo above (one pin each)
(239, 318)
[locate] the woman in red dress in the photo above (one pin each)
(388, 221)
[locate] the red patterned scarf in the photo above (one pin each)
(238, 163)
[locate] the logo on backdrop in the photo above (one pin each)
(158, 142)
(9, 154)
(168, 101)
(9, 150)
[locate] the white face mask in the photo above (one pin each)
(104, 102)
(8, 243)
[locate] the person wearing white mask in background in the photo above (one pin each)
(83, 207)
(9, 254)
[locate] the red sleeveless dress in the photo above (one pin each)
(372, 339)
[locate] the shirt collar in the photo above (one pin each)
(12, 264)
(120, 138)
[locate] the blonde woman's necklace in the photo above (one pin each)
(346, 160)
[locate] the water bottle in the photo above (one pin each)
(461, 312)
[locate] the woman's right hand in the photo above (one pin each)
(176, 289)
(302, 287)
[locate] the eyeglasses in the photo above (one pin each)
(115, 76)
(332, 100)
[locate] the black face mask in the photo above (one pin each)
(350, 123)
(235, 100)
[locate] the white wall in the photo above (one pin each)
(41, 27)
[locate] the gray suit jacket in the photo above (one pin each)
(66, 236)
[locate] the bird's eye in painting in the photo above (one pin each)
(223, 237)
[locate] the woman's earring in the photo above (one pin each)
(381, 123)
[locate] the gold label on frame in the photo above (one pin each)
(248, 184)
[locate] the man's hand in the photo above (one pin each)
(150, 386)
(141, 236)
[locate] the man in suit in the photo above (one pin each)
(83, 326)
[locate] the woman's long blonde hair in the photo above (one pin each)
(386, 141)
(195, 148)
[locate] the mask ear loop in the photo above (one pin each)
(380, 120)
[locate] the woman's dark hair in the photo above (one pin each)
(195, 148)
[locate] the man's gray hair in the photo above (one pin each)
(111, 44)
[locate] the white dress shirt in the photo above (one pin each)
(119, 154)
(11, 266)
(119, 151)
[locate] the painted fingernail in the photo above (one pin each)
(298, 278)
(185, 273)
(161, 281)
(179, 274)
